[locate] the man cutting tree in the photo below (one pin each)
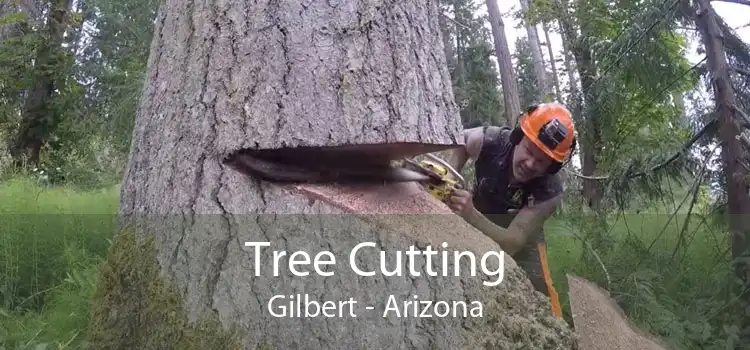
(512, 166)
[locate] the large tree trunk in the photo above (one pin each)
(738, 200)
(540, 72)
(511, 97)
(295, 74)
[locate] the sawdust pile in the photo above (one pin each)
(516, 316)
(600, 323)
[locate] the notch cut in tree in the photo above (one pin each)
(232, 77)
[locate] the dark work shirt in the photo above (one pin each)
(494, 195)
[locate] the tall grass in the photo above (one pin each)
(669, 273)
(51, 242)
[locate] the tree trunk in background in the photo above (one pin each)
(536, 54)
(679, 103)
(589, 135)
(553, 64)
(447, 42)
(459, 72)
(32, 14)
(37, 117)
(361, 73)
(738, 200)
(569, 67)
(511, 96)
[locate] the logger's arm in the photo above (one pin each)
(526, 223)
(472, 145)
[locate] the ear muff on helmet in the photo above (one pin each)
(517, 134)
(556, 166)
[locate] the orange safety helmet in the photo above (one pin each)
(550, 127)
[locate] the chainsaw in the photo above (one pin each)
(442, 180)
(332, 165)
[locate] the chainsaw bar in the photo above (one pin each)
(321, 170)
(414, 166)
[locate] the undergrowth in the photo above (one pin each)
(51, 244)
(54, 241)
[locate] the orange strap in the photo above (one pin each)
(556, 309)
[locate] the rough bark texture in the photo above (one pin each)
(225, 76)
(287, 74)
(511, 97)
(738, 200)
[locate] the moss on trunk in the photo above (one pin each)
(136, 308)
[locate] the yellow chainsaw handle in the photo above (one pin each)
(453, 171)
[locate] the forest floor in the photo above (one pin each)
(54, 238)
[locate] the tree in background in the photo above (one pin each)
(469, 53)
(529, 89)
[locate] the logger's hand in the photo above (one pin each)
(460, 202)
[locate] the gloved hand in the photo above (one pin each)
(461, 202)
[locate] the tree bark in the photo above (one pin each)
(460, 71)
(590, 137)
(447, 42)
(511, 97)
(38, 117)
(553, 64)
(738, 200)
(568, 61)
(536, 54)
(233, 75)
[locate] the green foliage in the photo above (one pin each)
(38, 226)
(154, 315)
(52, 242)
(475, 79)
(528, 88)
(90, 114)
(668, 273)
(117, 63)
(483, 106)
(16, 54)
